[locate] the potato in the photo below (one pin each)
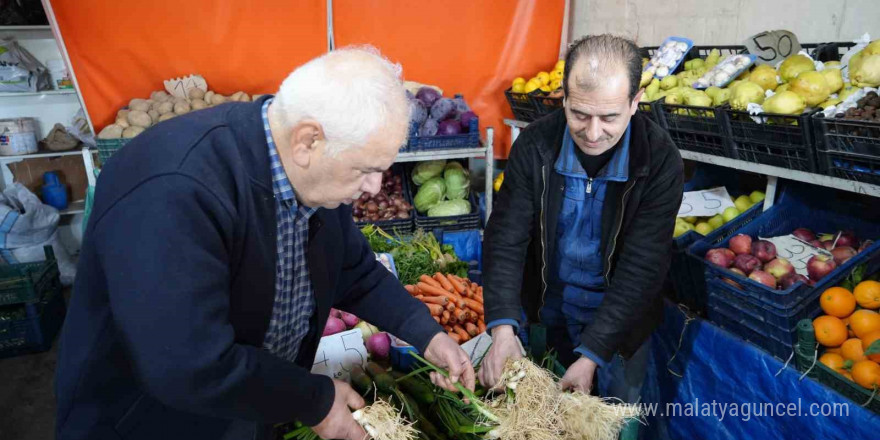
(181, 108)
(154, 115)
(198, 104)
(196, 93)
(166, 116)
(244, 97)
(123, 122)
(208, 95)
(131, 132)
(138, 118)
(111, 131)
(122, 114)
(177, 100)
(218, 99)
(139, 105)
(160, 96)
(165, 107)
(256, 97)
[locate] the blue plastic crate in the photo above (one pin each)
(471, 139)
(36, 330)
(829, 213)
(780, 349)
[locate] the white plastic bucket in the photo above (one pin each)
(18, 136)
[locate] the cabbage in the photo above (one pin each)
(460, 105)
(430, 194)
(450, 207)
(466, 121)
(428, 95)
(429, 128)
(427, 170)
(457, 181)
(449, 127)
(419, 112)
(442, 108)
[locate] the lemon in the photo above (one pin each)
(519, 80)
(555, 84)
(546, 88)
(518, 88)
(544, 77)
(560, 65)
(531, 86)
(556, 74)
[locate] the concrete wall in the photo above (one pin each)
(721, 22)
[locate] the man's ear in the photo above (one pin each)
(304, 140)
(635, 103)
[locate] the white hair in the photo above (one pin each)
(352, 92)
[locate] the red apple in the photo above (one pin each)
(865, 244)
(740, 244)
(820, 265)
(764, 278)
(779, 268)
(732, 282)
(791, 279)
(817, 243)
(720, 257)
(764, 250)
(828, 245)
(746, 263)
(847, 238)
(804, 234)
(739, 272)
(842, 254)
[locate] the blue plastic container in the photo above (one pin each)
(54, 193)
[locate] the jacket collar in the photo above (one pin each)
(616, 170)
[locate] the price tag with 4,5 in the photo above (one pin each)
(705, 203)
(773, 46)
(337, 354)
(795, 251)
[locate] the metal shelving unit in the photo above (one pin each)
(485, 150)
(43, 93)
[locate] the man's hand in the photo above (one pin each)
(339, 423)
(445, 353)
(504, 346)
(579, 376)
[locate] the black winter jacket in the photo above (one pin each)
(638, 218)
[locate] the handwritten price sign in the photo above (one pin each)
(705, 203)
(795, 251)
(772, 47)
(338, 353)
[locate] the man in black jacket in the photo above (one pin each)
(580, 234)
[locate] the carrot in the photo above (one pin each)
(455, 284)
(461, 333)
(444, 282)
(448, 328)
(473, 317)
(427, 289)
(444, 318)
(455, 337)
(436, 318)
(460, 315)
(436, 309)
(410, 288)
(471, 329)
(481, 326)
(429, 281)
(441, 300)
(473, 305)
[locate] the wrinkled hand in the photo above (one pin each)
(504, 346)
(339, 423)
(579, 376)
(445, 353)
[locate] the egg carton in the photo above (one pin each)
(668, 56)
(726, 71)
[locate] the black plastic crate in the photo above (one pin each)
(398, 226)
(848, 149)
(651, 110)
(784, 141)
(31, 328)
(546, 104)
(827, 51)
(521, 105)
(699, 129)
(108, 147)
(26, 282)
(454, 222)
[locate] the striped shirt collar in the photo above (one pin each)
(280, 183)
(617, 169)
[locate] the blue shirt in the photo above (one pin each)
(294, 301)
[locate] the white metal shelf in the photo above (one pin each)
(44, 154)
(784, 173)
(27, 32)
(26, 28)
(73, 208)
(70, 92)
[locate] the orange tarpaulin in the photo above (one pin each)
(121, 50)
(475, 48)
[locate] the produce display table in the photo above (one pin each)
(695, 364)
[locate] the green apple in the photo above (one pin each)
(756, 196)
(730, 214)
(703, 228)
(690, 219)
(743, 203)
(681, 228)
(716, 222)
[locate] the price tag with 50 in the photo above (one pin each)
(772, 47)
(705, 203)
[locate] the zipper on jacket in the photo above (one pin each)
(543, 239)
(617, 233)
(589, 185)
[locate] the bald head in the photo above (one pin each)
(593, 59)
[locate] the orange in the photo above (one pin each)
(833, 361)
(864, 321)
(869, 339)
(830, 330)
(866, 374)
(838, 302)
(835, 350)
(846, 374)
(849, 332)
(867, 294)
(852, 350)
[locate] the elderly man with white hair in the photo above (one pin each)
(217, 245)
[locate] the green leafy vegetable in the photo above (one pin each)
(450, 208)
(430, 194)
(427, 170)
(457, 181)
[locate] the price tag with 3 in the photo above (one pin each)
(337, 354)
(705, 203)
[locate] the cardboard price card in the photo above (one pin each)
(705, 203)
(338, 354)
(773, 46)
(795, 251)
(180, 87)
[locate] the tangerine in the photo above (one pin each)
(830, 330)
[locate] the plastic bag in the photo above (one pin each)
(20, 71)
